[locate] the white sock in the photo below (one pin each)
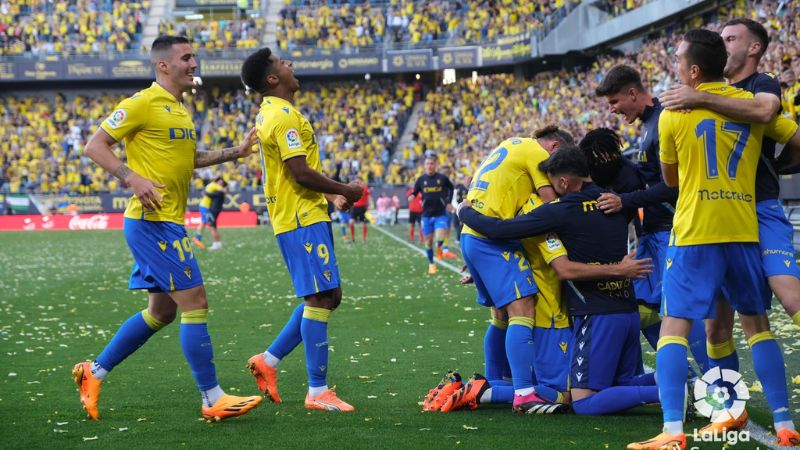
(786, 424)
(673, 427)
(524, 392)
(271, 360)
(315, 391)
(212, 395)
(98, 371)
(486, 397)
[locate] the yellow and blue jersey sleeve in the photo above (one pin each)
(287, 129)
(668, 151)
(128, 117)
(780, 129)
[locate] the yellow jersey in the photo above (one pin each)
(551, 309)
(717, 161)
(284, 133)
(506, 178)
(210, 189)
(791, 110)
(160, 144)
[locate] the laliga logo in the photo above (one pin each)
(720, 394)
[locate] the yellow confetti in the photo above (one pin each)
(796, 380)
(93, 438)
(467, 427)
(756, 387)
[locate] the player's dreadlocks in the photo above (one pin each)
(602, 150)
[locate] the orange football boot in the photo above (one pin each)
(266, 377)
(89, 388)
(230, 406)
(328, 401)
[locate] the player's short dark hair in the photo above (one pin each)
(601, 147)
(568, 160)
(165, 42)
(706, 50)
(756, 29)
(554, 133)
(619, 78)
(255, 70)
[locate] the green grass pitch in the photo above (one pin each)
(63, 295)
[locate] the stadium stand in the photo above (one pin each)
(85, 27)
(217, 34)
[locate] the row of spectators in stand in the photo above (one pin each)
(307, 27)
(90, 27)
(42, 139)
(211, 35)
(464, 121)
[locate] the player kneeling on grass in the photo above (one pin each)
(604, 311)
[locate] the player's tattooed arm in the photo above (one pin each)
(205, 158)
(122, 172)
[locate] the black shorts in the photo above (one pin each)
(359, 214)
(414, 217)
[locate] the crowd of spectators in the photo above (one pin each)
(330, 27)
(213, 35)
(358, 124)
(82, 27)
(42, 139)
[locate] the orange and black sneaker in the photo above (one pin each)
(720, 428)
(266, 377)
(328, 401)
(468, 396)
(198, 243)
(438, 395)
(230, 406)
(89, 388)
(788, 438)
(663, 441)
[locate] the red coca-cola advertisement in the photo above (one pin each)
(112, 221)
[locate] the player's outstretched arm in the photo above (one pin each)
(629, 267)
(520, 227)
(760, 109)
(311, 179)
(205, 158)
(656, 194)
(99, 150)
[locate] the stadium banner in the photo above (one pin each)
(410, 60)
(112, 221)
(359, 63)
(221, 67)
(7, 71)
(79, 70)
(130, 68)
(508, 49)
(207, 3)
(40, 70)
(455, 57)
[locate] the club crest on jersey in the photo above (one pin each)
(293, 139)
(308, 246)
(327, 275)
(116, 118)
(162, 245)
(188, 272)
(563, 346)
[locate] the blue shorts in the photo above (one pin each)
(500, 270)
(431, 224)
(163, 255)
(606, 350)
(775, 237)
(695, 275)
(654, 246)
(308, 252)
(344, 217)
(553, 347)
(207, 217)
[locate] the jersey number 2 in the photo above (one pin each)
(490, 163)
(708, 130)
